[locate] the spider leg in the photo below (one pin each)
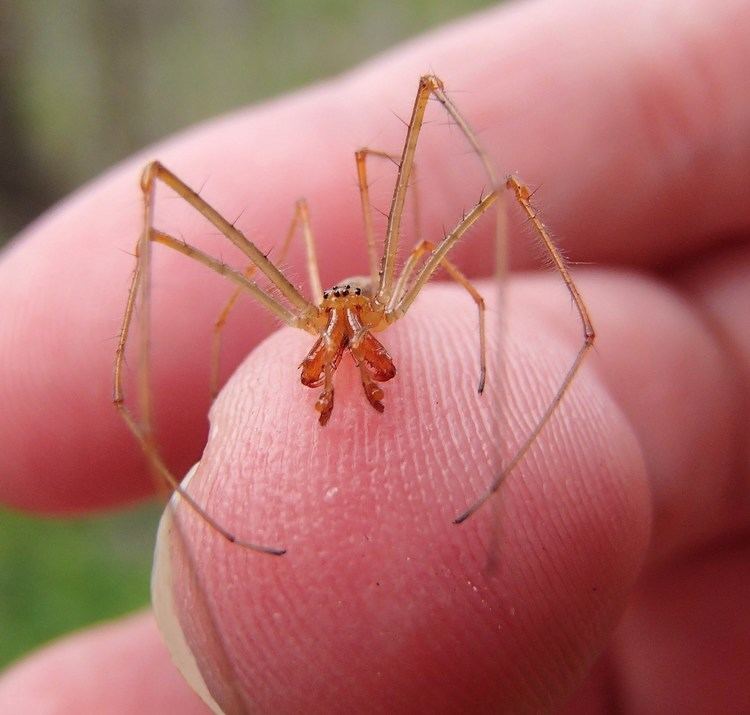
(399, 306)
(429, 85)
(300, 216)
(301, 212)
(221, 321)
(297, 321)
(501, 228)
(453, 271)
(145, 439)
(523, 196)
(361, 157)
(139, 291)
(156, 171)
(438, 91)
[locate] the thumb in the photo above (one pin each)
(381, 603)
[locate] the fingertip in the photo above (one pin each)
(119, 668)
(378, 588)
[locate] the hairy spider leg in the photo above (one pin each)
(301, 218)
(453, 271)
(360, 157)
(139, 291)
(523, 197)
(429, 86)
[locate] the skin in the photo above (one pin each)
(622, 540)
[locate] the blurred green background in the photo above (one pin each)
(82, 85)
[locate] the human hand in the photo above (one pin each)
(642, 177)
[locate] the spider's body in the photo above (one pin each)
(348, 314)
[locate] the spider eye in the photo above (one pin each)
(358, 291)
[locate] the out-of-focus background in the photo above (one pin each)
(82, 85)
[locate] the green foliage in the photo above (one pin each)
(58, 575)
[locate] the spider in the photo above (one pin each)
(344, 318)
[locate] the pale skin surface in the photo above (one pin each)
(640, 138)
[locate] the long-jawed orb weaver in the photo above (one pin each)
(343, 318)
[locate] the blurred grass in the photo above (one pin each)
(82, 86)
(56, 576)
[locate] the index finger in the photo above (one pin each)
(620, 136)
